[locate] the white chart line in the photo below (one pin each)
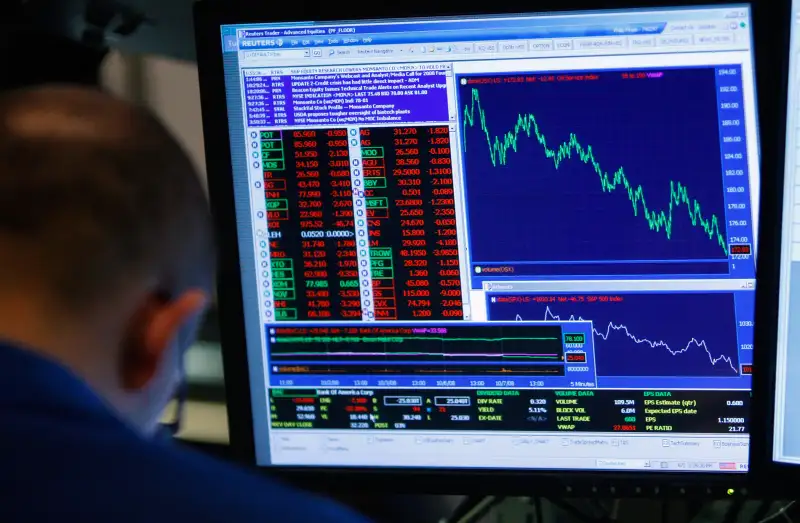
(549, 316)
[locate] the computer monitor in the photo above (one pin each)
(521, 242)
(779, 387)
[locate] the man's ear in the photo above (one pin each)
(153, 332)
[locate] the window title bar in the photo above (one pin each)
(453, 35)
(588, 24)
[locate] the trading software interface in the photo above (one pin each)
(518, 242)
(786, 447)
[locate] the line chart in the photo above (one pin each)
(641, 334)
(657, 220)
(549, 316)
(595, 168)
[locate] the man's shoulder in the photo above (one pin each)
(93, 470)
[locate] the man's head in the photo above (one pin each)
(106, 252)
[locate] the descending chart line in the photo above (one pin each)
(549, 316)
(658, 220)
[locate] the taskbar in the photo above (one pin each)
(535, 451)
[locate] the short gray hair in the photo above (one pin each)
(95, 191)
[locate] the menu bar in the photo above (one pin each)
(673, 42)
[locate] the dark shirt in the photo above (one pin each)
(65, 456)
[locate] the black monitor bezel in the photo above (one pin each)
(768, 28)
(768, 475)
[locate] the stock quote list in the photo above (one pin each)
(405, 202)
(307, 183)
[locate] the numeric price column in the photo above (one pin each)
(340, 227)
(414, 266)
(326, 223)
(439, 167)
(311, 166)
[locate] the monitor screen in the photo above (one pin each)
(518, 242)
(786, 426)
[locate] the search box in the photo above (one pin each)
(276, 54)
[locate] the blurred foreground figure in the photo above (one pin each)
(106, 266)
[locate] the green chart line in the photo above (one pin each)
(500, 146)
